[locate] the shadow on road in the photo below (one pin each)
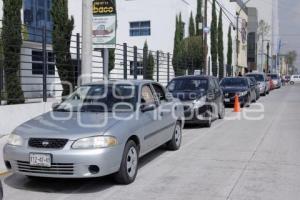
(72, 186)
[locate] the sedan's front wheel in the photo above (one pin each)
(175, 143)
(129, 165)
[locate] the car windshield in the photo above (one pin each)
(188, 84)
(258, 77)
(234, 82)
(273, 76)
(100, 98)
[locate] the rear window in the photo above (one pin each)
(189, 84)
(234, 82)
(258, 77)
(273, 76)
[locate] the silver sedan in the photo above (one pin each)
(100, 129)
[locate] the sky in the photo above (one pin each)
(289, 25)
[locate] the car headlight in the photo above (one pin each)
(199, 102)
(96, 142)
(242, 93)
(15, 140)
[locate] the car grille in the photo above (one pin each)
(56, 168)
(47, 143)
(229, 95)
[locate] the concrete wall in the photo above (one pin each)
(12, 116)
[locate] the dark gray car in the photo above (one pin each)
(101, 129)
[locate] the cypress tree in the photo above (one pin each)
(61, 36)
(150, 66)
(12, 42)
(214, 41)
(192, 26)
(199, 18)
(179, 34)
(229, 53)
(221, 45)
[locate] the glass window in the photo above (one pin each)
(160, 92)
(147, 96)
(37, 63)
(139, 68)
(36, 17)
(142, 28)
(189, 84)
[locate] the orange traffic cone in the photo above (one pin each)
(237, 106)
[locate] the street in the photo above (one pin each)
(235, 159)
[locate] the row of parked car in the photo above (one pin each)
(104, 128)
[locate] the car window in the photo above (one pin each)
(211, 85)
(160, 92)
(147, 95)
(216, 84)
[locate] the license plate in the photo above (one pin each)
(227, 100)
(40, 160)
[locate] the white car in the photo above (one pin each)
(295, 79)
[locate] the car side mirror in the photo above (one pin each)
(55, 105)
(147, 108)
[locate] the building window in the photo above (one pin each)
(37, 63)
(139, 68)
(142, 28)
(37, 15)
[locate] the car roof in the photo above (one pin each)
(193, 76)
(255, 73)
(111, 82)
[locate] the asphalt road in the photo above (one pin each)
(235, 159)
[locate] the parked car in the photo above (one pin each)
(295, 79)
(102, 128)
(240, 86)
(256, 85)
(272, 86)
(276, 80)
(201, 96)
(261, 78)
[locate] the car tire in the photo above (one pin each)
(222, 111)
(248, 103)
(129, 164)
(207, 123)
(175, 143)
(292, 82)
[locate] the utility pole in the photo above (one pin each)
(237, 38)
(262, 51)
(204, 24)
(87, 43)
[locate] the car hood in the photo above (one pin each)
(188, 96)
(68, 125)
(234, 89)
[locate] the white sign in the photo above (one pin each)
(104, 31)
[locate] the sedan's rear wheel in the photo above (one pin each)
(129, 165)
(175, 143)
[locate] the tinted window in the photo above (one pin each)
(234, 82)
(258, 77)
(274, 76)
(159, 92)
(189, 84)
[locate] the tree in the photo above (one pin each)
(229, 53)
(291, 57)
(190, 49)
(179, 33)
(61, 36)
(191, 26)
(214, 40)
(199, 18)
(12, 42)
(220, 45)
(149, 64)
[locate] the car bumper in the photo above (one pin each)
(66, 163)
(230, 101)
(195, 115)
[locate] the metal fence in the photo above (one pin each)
(39, 76)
